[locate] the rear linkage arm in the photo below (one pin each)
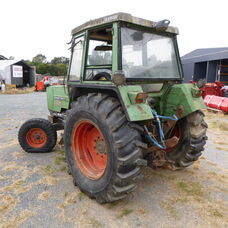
(157, 117)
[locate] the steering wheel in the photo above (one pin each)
(102, 76)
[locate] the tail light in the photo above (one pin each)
(141, 98)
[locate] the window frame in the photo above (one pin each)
(82, 60)
(153, 31)
(107, 66)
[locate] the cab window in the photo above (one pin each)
(99, 60)
(76, 59)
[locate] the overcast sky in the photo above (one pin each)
(30, 27)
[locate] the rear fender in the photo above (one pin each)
(135, 111)
(57, 98)
(186, 97)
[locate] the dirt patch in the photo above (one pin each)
(44, 195)
(8, 203)
(15, 221)
(48, 180)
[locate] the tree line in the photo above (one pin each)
(56, 67)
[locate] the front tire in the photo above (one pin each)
(37, 135)
(96, 126)
(192, 131)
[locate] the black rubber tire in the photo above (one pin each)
(123, 143)
(193, 138)
(43, 124)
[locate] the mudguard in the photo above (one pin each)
(57, 98)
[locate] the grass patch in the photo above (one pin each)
(162, 175)
(18, 91)
(216, 213)
(63, 168)
(221, 148)
(59, 160)
(48, 170)
(95, 223)
(112, 204)
(124, 212)
(212, 173)
(62, 152)
(220, 124)
(19, 182)
(191, 189)
(81, 196)
(170, 209)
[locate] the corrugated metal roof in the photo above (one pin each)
(2, 57)
(205, 54)
(5, 63)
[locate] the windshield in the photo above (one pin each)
(148, 55)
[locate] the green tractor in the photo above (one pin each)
(123, 106)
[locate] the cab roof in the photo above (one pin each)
(125, 17)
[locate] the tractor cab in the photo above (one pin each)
(138, 49)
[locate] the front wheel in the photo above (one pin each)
(101, 148)
(191, 131)
(37, 135)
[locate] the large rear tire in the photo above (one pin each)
(101, 148)
(192, 131)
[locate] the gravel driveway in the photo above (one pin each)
(36, 191)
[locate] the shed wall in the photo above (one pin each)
(16, 81)
(188, 69)
(7, 75)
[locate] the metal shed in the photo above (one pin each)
(209, 63)
(17, 72)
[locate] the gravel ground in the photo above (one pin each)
(36, 191)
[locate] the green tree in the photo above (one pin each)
(57, 67)
(58, 60)
(39, 59)
(61, 69)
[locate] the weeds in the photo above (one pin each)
(124, 212)
(216, 213)
(81, 196)
(63, 168)
(191, 188)
(221, 148)
(48, 170)
(18, 91)
(59, 160)
(170, 209)
(62, 152)
(220, 124)
(112, 204)
(95, 223)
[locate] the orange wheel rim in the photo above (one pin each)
(36, 137)
(89, 149)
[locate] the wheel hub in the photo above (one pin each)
(100, 145)
(36, 137)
